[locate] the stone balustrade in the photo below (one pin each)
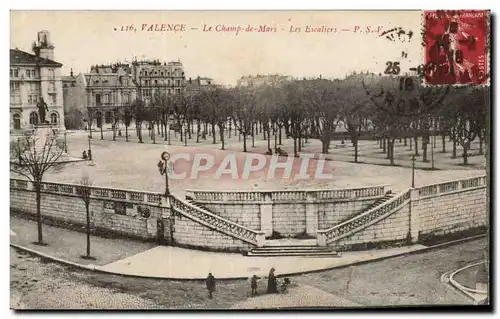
(220, 224)
(95, 192)
(286, 196)
(451, 186)
(352, 225)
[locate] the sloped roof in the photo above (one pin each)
(18, 57)
(109, 80)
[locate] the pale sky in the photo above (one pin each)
(83, 38)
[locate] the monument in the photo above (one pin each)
(42, 108)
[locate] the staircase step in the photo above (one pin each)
(291, 249)
(296, 254)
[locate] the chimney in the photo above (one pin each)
(71, 72)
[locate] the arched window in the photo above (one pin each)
(54, 118)
(17, 121)
(34, 118)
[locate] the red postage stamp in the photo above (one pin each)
(456, 47)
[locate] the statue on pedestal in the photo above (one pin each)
(42, 107)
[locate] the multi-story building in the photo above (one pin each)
(108, 89)
(152, 77)
(259, 80)
(75, 105)
(193, 86)
(35, 78)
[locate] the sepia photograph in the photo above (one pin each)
(249, 160)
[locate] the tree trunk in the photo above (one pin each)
(325, 145)
(279, 133)
(425, 143)
(153, 133)
(465, 155)
(221, 128)
(39, 211)
(356, 150)
(411, 143)
(416, 146)
(158, 128)
(384, 146)
(254, 130)
(102, 136)
(298, 133)
(443, 142)
(88, 228)
(114, 132)
(275, 139)
(126, 133)
(140, 133)
(380, 142)
(214, 138)
(198, 131)
(244, 143)
(295, 146)
(481, 140)
(454, 149)
(391, 150)
(405, 142)
(189, 129)
(268, 138)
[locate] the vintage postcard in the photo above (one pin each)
(249, 159)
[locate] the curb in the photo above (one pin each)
(462, 287)
(98, 269)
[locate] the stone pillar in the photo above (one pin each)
(321, 239)
(261, 239)
(266, 214)
(414, 215)
(311, 214)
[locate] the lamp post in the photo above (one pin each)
(164, 170)
(413, 171)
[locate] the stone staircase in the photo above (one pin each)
(292, 247)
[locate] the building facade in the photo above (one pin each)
(155, 77)
(35, 78)
(108, 90)
(194, 86)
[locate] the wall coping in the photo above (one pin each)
(452, 181)
(309, 190)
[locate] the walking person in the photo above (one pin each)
(254, 285)
(210, 285)
(272, 285)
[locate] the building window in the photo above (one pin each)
(125, 82)
(17, 121)
(14, 73)
(106, 98)
(53, 118)
(168, 83)
(126, 98)
(14, 86)
(52, 73)
(156, 82)
(32, 99)
(53, 98)
(146, 73)
(161, 73)
(28, 73)
(98, 99)
(177, 83)
(53, 86)
(33, 118)
(108, 117)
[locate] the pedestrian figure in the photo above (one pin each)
(84, 154)
(254, 285)
(271, 283)
(210, 285)
(90, 155)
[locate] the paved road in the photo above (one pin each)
(410, 280)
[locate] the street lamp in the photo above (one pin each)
(164, 169)
(413, 171)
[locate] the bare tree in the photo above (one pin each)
(32, 156)
(84, 190)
